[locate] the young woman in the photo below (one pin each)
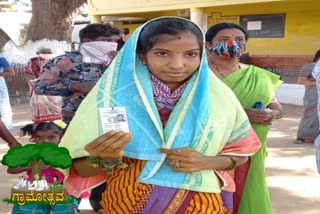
(182, 138)
(254, 87)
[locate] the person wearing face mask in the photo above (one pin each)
(75, 73)
(44, 108)
(255, 89)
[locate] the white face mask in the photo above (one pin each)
(97, 52)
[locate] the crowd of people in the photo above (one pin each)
(198, 118)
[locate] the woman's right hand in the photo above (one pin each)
(109, 146)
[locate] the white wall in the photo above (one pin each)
(290, 94)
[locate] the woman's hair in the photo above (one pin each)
(316, 56)
(93, 31)
(215, 29)
(173, 26)
(31, 129)
(125, 31)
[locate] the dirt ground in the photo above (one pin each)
(291, 173)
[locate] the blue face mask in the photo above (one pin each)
(228, 50)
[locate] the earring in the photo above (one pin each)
(143, 61)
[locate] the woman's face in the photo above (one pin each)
(173, 58)
(226, 35)
(46, 136)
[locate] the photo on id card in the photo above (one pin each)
(113, 118)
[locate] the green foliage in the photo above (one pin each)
(49, 153)
(21, 155)
(56, 156)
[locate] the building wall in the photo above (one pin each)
(301, 36)
(302, 29)
(98, 7)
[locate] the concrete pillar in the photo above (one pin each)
(196, 15)
(95, 19)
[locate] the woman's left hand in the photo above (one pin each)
(185, 159)
(258, 116)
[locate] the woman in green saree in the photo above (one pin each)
(254, 87)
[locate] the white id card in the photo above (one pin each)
(113, 118)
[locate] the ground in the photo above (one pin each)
(291, 174)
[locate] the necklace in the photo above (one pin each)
(220, 72)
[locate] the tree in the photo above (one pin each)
(35, 155)
(4, 38)
(52, 19)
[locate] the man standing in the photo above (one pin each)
(74, 74)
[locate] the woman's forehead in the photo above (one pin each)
(183, 38)
(45, 133)
(230, 32)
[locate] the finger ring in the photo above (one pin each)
(177, 164)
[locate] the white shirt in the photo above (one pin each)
(43, 184)
(35, 184)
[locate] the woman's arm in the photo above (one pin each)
(225, 162)
(305, 81)
(84, 168)
(265, 116)
(276, 108)
(305, 76)
(7, 136)
(106, 148)
(189, 160)
(7, 72)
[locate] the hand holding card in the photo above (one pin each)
(109, 146)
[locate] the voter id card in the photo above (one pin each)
(113, 118)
